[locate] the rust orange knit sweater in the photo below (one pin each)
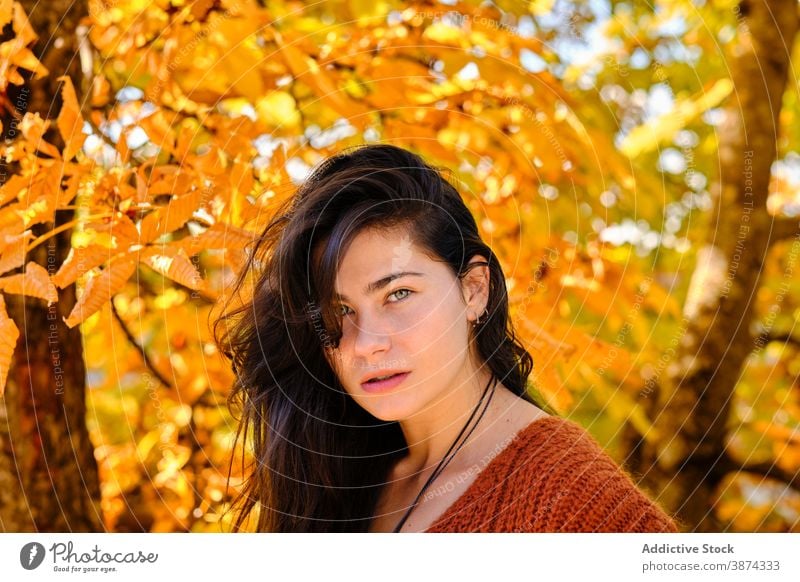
(553, 477)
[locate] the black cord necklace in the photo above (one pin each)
(446, 460)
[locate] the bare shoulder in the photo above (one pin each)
(516, 413)
(507, 416)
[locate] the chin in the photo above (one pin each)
(386, 417)
(387, 408)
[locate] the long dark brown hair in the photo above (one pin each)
(319, 458)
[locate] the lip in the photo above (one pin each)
(385, 385)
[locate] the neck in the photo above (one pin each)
(430, 434)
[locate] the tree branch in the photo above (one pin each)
(765, 469)
(128, 334)
(784, 228)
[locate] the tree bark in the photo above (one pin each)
(48, 473)
(691, 411)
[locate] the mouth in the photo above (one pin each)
(384, 382)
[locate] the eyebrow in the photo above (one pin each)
(381, 283)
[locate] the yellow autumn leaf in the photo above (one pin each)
(70, 121)
(6, 7)
(34, 282)
(84, 238)
(33, 128)
(23, 28)
(540, 7)
(35, 212)
(159, 130)
(12, 188)
(101, 288)
(218, 236)
(278, 109)
(170, 217)
(175, 266)
(242, 76)
(8, 341)
(369, 12)
(307, 70)
(23, 58)
(12, 251)
(79, 260)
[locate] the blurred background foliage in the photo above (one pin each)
(585, 136)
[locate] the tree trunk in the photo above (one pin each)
(48, 473)
(691, 410)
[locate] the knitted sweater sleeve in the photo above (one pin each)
(589, 492)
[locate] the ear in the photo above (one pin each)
(475, 287)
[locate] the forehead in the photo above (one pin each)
(376, 257)
(379, 251)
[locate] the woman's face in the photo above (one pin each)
(403, 315)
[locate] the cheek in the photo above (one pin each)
(438, 334)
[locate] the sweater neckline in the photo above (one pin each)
(486, 472)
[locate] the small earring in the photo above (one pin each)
(478, 319)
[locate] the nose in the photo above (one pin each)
(370, 337)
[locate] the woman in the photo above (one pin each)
(380, 382)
